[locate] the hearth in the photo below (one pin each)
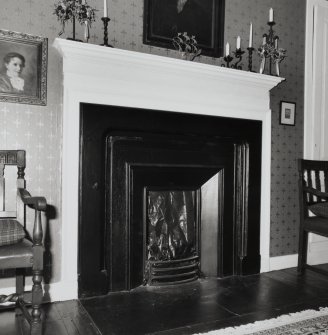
(166, 198)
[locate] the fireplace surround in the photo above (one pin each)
(106, 76)
(166, 198)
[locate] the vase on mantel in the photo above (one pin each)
(74, 10)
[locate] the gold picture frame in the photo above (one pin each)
(23, 69)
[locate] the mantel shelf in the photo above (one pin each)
(86, 55)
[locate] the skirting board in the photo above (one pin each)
(317, 254)
(283, 262)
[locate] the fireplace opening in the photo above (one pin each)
(166, 198)
(171, 225)
(172, 254)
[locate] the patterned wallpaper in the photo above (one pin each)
(38, 129)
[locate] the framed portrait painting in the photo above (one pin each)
(23, 68)
(204, 19)
(287, 113)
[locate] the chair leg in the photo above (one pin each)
(302, 251)
(36, 328)
(19, 288)
(37, 295)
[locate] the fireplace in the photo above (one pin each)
(166, 198)
(139, 81)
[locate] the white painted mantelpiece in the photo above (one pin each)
(101, 75)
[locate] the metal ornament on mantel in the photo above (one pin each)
(269, 50)
(187, 46)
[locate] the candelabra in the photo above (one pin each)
(239, 55)
(106, 20)
(250, 59)
(270, 50)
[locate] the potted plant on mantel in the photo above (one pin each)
(71, 10)
(187, 46)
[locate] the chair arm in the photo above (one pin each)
(38, 203)
(315, 192)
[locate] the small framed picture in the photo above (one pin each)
(23, 68)
(287, 113)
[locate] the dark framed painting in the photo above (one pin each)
(164, 19)
(23, 68)
(287, 113)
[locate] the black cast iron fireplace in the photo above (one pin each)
(166, 198)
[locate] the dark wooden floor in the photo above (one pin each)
(195, 307)
(62, 318)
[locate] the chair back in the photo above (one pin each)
(16, 158)
(313, 180)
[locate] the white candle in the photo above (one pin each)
(250, 44)
(276, 43)
(264, 40)
(86, 30)
(105, 9)
(238, 43)
(227, 49)
(271, 15)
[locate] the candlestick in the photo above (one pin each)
(250, 58)
(250, 44)
(227, 49)
(271, 15)
(228, 60)
(105, 9)
(264, 40)
(238, 43)
(105, 20)
(86, 30)
(238, 54)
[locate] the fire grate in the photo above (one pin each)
(172, 272)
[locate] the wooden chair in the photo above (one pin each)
(313, 196)
(18, 251)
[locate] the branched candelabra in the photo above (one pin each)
(269, 50)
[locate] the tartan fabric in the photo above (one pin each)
(320, 209)
(11, 231)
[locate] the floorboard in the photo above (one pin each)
(61, 318)
(185, 309)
